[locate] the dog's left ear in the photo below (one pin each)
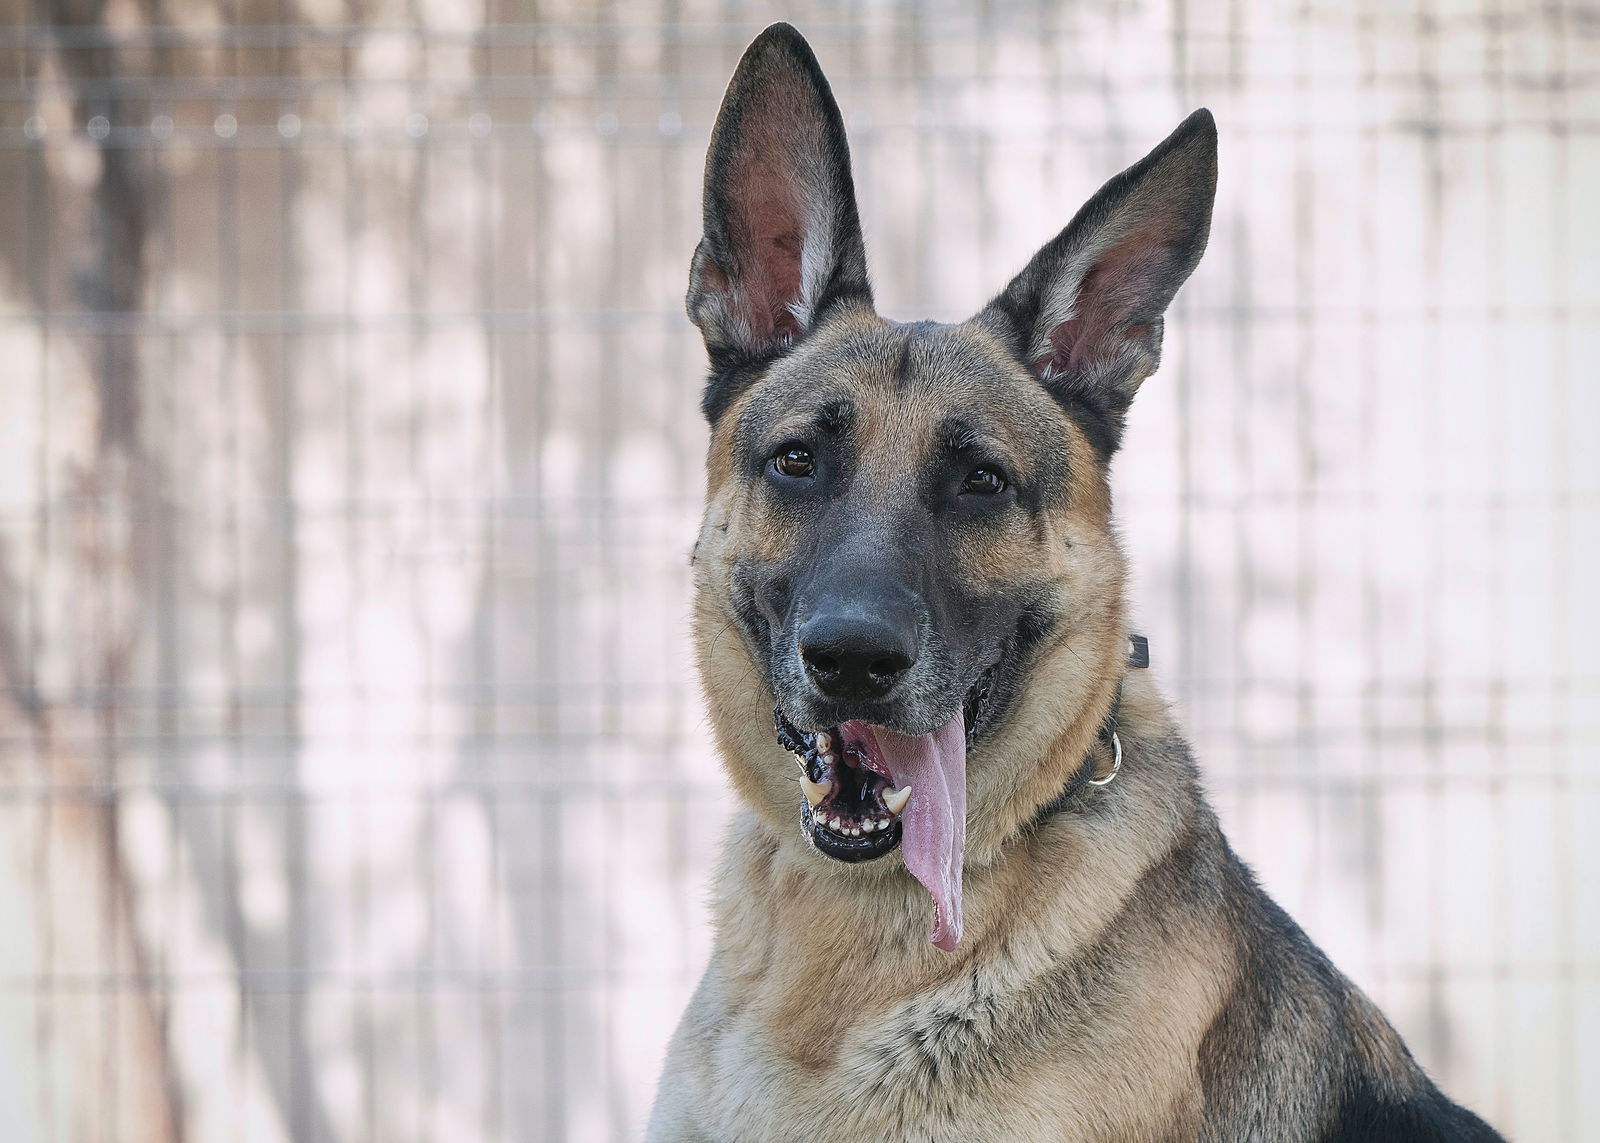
(1086, 313)
(782, 240)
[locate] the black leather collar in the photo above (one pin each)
(1086, 774)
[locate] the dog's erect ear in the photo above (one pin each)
(782, 239)
(1086, 313)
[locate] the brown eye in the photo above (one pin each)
(795, 461)
(984, 481)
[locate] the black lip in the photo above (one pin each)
(975, 708)
(851, 849)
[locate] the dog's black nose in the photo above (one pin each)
(857, 656)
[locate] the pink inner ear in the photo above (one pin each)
(770, 249)
(768, 190)
(1112, 292)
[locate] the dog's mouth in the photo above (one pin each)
(866, 788)
(851, 808)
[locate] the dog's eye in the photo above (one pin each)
(984, 481)
(795, 461)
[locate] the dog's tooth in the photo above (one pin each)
(824, 741)
(815, 791)
(855, 831)
(897, 800)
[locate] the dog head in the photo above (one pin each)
(907, 580)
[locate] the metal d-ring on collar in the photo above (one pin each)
(1138, 658)
(1116, 763)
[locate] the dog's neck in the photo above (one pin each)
(1102, 763)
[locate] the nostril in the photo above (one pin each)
(819, 661)
(889, 666)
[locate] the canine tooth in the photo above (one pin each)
(897, 800)
(815, 791)
(824, 741)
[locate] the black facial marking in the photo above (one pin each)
(732, 372)
(836, 416)
(964, 447)
(1102, 426)
(754, 625)
(957, 435)
(870, 559)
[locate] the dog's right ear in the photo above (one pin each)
(782, 242)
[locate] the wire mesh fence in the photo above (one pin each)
(353, 779)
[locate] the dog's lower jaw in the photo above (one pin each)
(847, 843)
(849, 809)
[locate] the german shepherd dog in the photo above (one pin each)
(911, 628)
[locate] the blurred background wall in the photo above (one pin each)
(353, 779)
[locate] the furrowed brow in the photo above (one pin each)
(836, 416)
(958, 435)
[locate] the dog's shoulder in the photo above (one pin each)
(1298, 1042)
(1366, 1116)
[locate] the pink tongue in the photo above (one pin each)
(935, 821)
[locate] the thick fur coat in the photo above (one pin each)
(939, 495)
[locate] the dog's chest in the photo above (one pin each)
(891, 1077)
(942, 1067)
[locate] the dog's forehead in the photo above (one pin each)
(908, 380)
